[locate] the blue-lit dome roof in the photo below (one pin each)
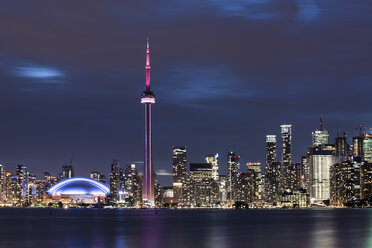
(79, 186)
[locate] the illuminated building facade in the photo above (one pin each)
(292, 180)
(148, 98)
(341, 149)
(2, 184)
(286, 131)
(366, 181)
(270, 149)
(273, 179)
(115, 181)
(213, 159)
(367, 146)
(320, 137)
(179, 158)
(357, 146)
(247, 187)
(233, 166)
(96, 175)
(22, 182)
(256, 167)
(67, 171)
(205, 188)
(320, 162)
(345, 182)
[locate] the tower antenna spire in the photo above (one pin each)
(147, 67)
(321, 123)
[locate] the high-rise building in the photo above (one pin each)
(213, 159)
(22, 181)
(247, 187)
(286, 131)
(2, 184)
(67, 171)
(96, 175)
(320, 162)
(222, 190)
(205, 188)
(367, 146)
(148, 98)
(358, 146)
(321, 136)
(273, 180)
(179, 155)
(292, 177)
(366, 181)
(342, 148)
(256, 167)
(179, 163)
(345, 182)
(132, 189)
(115, 181)
(270, 149)
(233, 166)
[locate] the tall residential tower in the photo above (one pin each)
(147, 99)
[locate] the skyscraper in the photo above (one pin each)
(286, 131)
(67, 171)
(147, 99)
(270, 148)
(321, 136)
(22, 181)
(367, 146)
(115, 180)
(233, 165)
(213, 159)
(320, 162)
(179, 156)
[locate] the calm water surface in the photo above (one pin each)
(185, 228)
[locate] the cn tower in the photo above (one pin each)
(147, 99)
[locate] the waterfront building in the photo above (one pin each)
(270, 149)
(247, 187)
(205, 188)
(345, 182)
(273, 178)
(22, 182)
(256, 167)
(296, 199)
(2, 184)
(213, 159)
(233, 166)
(292, 177)
(366, 181)
(132, 187)
(320, 162)
(115, 181)
(222, 189)
(179, 157)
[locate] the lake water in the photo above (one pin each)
(185, 228)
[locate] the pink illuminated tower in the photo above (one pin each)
(148, 98)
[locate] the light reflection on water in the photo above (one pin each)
(100, 228)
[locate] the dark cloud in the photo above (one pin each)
(225, 73)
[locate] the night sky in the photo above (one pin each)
(225, 74)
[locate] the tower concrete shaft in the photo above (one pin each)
(148, 98)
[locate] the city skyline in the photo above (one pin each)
(65, 92)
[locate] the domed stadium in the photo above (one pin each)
(77, 190)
